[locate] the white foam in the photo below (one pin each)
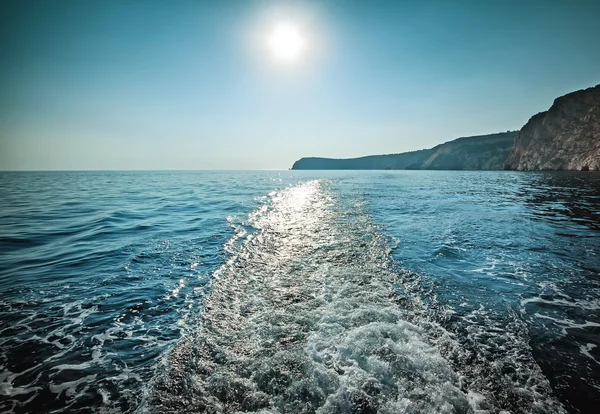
(585, 350)
(581, 304)
(70, 387)
(568, 323)
(305, 315)
(302, 294)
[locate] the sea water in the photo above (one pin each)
(300, 292)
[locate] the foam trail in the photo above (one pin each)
(306, 317)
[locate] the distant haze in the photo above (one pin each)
(191, 85)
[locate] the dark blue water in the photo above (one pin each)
(291, 291)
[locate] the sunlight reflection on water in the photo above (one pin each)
(290, 291)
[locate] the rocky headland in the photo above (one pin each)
(482, 152)
(566, 137)
(371, 162)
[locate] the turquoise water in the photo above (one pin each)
(300, 291)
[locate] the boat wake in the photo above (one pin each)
(311, 315)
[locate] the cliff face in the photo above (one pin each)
(372, 162)
(566, 137)
(484, 152)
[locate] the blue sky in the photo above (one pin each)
(190, 85)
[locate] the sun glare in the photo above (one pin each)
(286, 42)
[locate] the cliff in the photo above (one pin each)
(371, 162)
(483, 152)
(566, 137)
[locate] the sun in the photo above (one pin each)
(286, 42)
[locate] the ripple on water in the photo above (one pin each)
(259, 294)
